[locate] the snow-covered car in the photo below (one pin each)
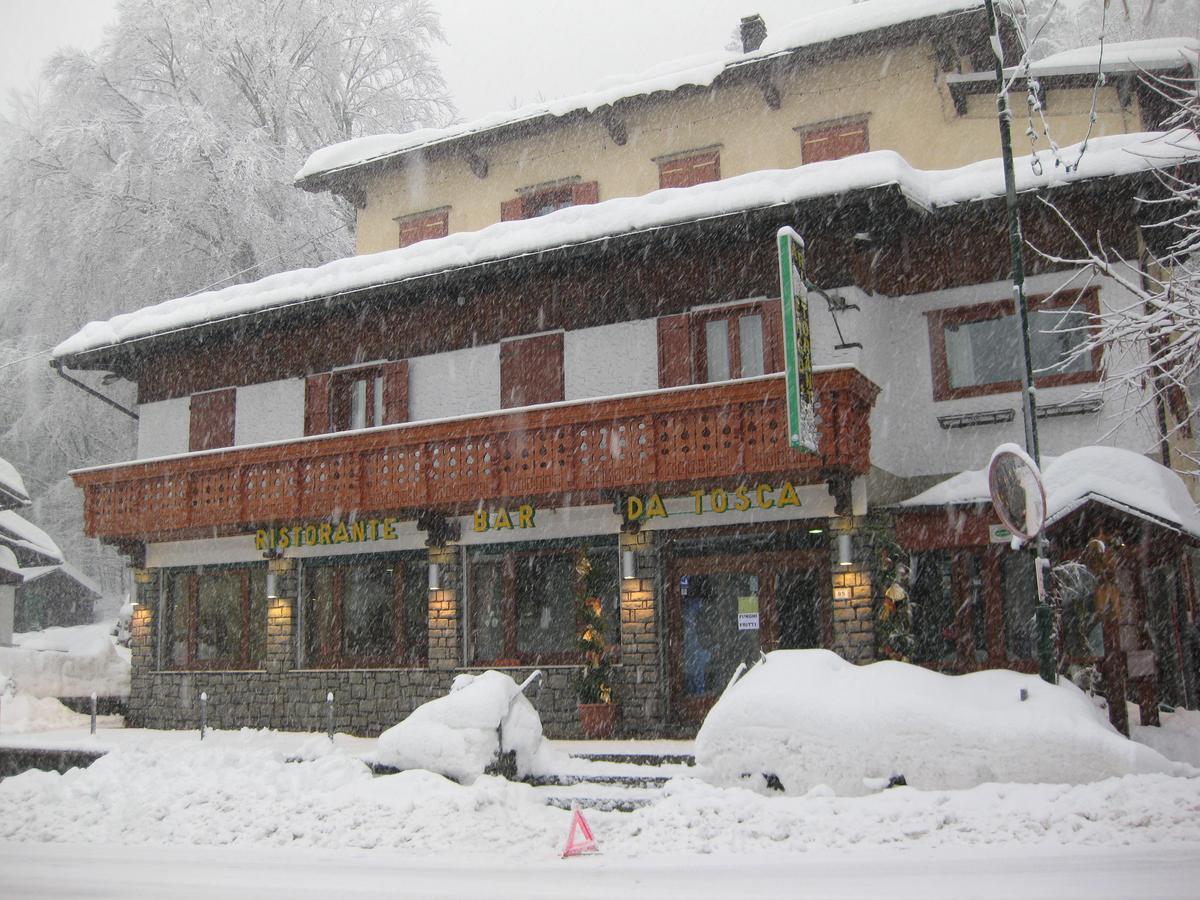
(803, 718)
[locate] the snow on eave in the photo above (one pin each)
(1154, 54)
(17, 531)
(12, 487)
(696, 71)
(624, 216)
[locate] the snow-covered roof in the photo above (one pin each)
(1107, 156)
(1149, 55)
(1111, 476)
(20, 533)
(12, 488)
(698, 71)
(33, 573)
(10, 570)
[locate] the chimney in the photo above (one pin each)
(754, 32)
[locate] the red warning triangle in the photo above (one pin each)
(580, 839)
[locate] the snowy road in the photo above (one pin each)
(204, 872)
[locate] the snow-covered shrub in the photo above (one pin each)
(809, 718)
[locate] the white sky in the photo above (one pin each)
(499, 52)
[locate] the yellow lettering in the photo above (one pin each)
(297, 534)
(762, 494)
(310, 535)
(372, 528)
(358, 532)
(634, 508)
(525, 516)
(340, 534)
(787, 495)
(260, 539)
(285, 540)
(480, 520)
(741, 498)
(502, 519)
(720, 500)
(655, 508)
(699, 495)
(389, 533)
(323, 533)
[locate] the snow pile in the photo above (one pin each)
(810, 718)
(456, 735)
(1177, 738)
(21, 713)
(697, 71)
(67, 662)
(1106, 156)
(1109, 475)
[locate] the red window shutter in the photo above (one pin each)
(834, 142)
(675, 351)
(395, 392)
(211, 424)
(585, 192)
(531, 370)
(512, 209)
(690, 170)
(316, 403)
(424, 227)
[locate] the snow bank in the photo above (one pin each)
(811, 718)
(1178, 737)
(67, 662)
(1109, 475)
(456, 735)
(21, 714)
(698, 71)
(1106, 156)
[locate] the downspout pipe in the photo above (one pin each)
(58, 367)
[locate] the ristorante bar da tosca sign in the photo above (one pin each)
(716, 500)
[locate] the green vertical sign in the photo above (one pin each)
(797, 343)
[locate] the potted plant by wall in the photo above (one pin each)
(593, 684)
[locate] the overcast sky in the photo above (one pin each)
(498, 52)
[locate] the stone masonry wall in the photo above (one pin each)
(853, 614)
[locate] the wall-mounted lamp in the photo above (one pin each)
(435, 577)
(272, 592)
(628, 565)
(845, 548)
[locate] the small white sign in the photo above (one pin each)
(998, 534)
(747, 621)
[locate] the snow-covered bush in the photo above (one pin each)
(456, 735)
(810, 718)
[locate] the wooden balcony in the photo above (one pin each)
(662, 441)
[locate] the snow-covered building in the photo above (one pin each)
(562, 335)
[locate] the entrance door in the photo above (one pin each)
(724, 609)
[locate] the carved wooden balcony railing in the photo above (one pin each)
(593, 448)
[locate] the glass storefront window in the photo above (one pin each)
(215, 617)
(368, 611)
(546, 598)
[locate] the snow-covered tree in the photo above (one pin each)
(162, 164)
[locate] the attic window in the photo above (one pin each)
(690, 168)
(423, 226)
(541, 200)
(833, 140)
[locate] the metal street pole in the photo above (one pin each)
(1043, 614)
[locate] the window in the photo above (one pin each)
(215, 618)
(211, 417)
(366, 610)
(522, 606)
(736, 342)
(361, 397)
(544, 199)
(696, 167)
(424, 226)
(833, 141)
(531, 370)
(976, 349)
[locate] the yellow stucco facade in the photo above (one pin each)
(901, 92)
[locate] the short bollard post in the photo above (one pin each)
(203, 712)
(93, 712)
(329, 713)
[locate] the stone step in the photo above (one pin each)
(630, 781)
(602, 804)
(641, 759)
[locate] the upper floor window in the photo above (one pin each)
(360, 397)
(833, 140)
(422, 226)
(540, 200)
(693, 167)
(976, 350)
(732, 342)
(211, 419)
